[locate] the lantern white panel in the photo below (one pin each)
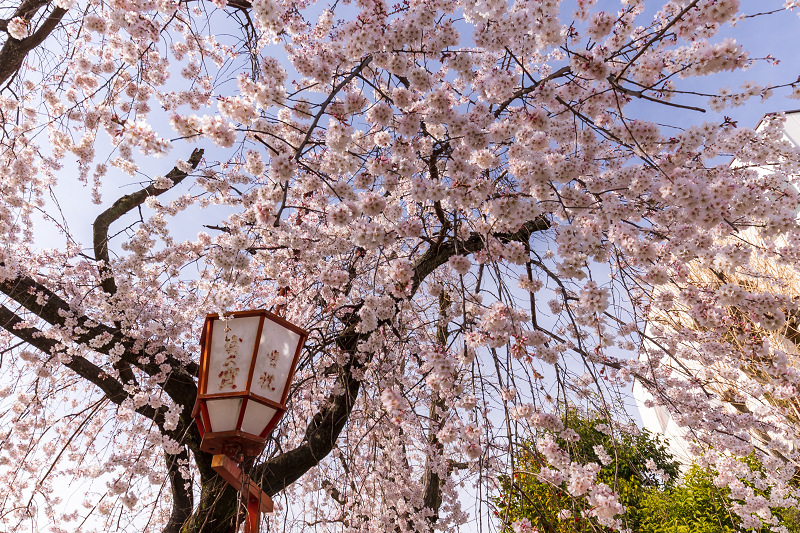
(231, 353)
(256, 417)
(224, 413)
(275, 356)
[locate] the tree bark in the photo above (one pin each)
(218, 510)
(13, 52)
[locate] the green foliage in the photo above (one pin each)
(627, 474)
(695, 505)
(790, 518)
(692, 505)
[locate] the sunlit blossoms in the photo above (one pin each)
(18, 28)
(485, 213)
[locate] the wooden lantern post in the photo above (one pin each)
(247, 361)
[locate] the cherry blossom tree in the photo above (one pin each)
(464, 202)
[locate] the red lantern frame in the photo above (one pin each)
(238, 443)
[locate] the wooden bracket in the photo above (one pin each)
(230, 472)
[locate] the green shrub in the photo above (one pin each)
(695, 505)
(627, 474)
(654, 504)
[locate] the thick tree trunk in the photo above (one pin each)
(218, 509)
